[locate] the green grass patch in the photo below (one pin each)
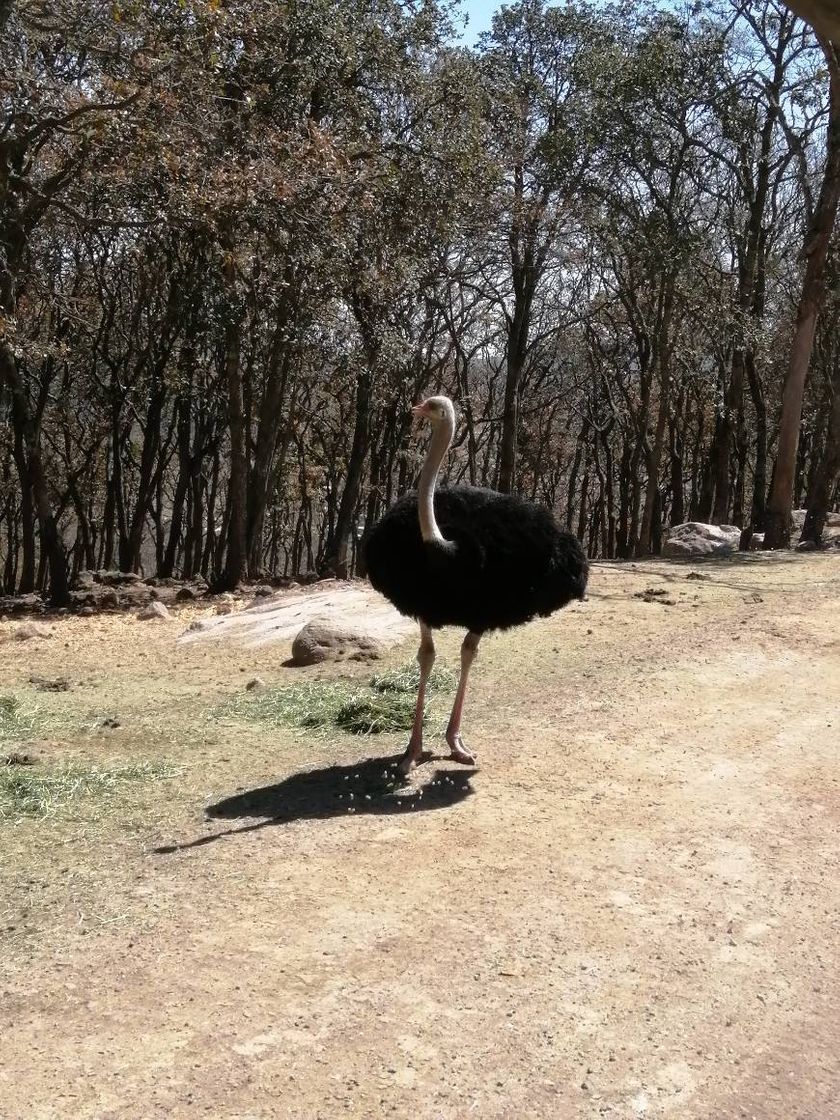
(385, 703)
(32, 792)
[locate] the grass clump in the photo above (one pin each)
(406, 678)
(385, 703)
(17, 720)
(371, 715)
(312, 705)
(34, 793)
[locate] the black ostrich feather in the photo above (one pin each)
(503, 561)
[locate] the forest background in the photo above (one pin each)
(239, 240)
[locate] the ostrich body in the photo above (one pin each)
(469, 557)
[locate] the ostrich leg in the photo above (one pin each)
(459, 752)
(425, 659)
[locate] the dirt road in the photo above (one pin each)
(629, 911)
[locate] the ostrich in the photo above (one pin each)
(467, 557)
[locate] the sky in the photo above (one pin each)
(481, 14)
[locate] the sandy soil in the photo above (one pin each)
(629, 910)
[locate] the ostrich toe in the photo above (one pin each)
(458, 751)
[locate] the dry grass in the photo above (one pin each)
(383, 704)
(30, 792)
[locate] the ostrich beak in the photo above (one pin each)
(419, 410)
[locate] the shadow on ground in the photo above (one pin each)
(372, 786)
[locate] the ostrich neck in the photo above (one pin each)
(441, 439)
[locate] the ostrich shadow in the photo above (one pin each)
(371, 787)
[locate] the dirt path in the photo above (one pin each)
(629, 911)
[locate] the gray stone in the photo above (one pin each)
(116, 579)
(322, 640)
(31, 630)
(154, 610)
(694, 538)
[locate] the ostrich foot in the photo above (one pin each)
(458, 752)
(413, 757)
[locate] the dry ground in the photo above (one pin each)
(629, 910)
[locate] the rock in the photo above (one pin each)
(116, 579)
(162, 593)
(256, 684)
(18, 758)
(134, 595)
(108, 601)
(154, 610)
(86, 612)
(263, 592)
(696, 539)
(84, 581)
(225, 607)
(797, 519)
(44, 684)
(31, 630)
(832, 521)
(322, 640)
(696, 575)
(806, 546)
(756, 542)
(185, 595)
(198, 624)
(655, 595)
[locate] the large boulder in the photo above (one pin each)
(322, 640)
(155, 611)
(693, 538)
(31, 630)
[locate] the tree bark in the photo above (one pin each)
(780, 505)
(827, 472)
(235, 556)
(335, 560)
(52, 548)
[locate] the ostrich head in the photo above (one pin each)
(437, 410)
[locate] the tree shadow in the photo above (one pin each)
(371, 787)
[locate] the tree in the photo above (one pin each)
(818, 238)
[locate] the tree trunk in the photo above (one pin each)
(235, 557)
(827, 472)
(52, 548)
(27, 515)
(644, 544)
(517, 348)
(269, 425)
(335, 560)
(816, 249)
